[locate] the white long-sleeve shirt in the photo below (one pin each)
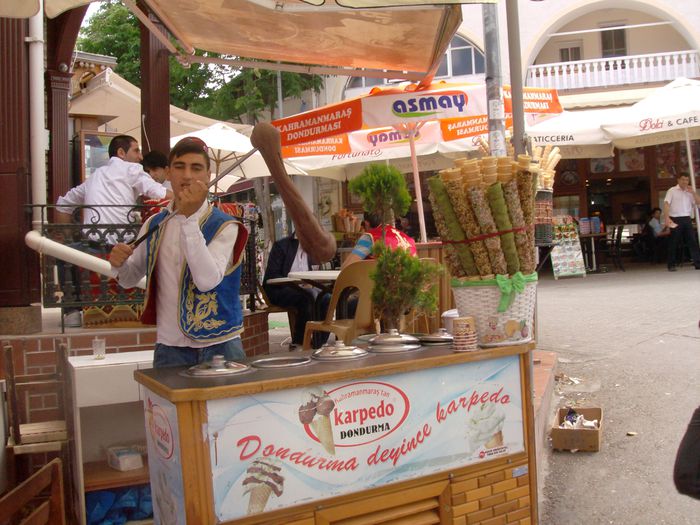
(181, 243)
(116, 183)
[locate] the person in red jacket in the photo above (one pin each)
(375, 231)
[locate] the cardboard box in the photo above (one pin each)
(124, 458)
(583, 439)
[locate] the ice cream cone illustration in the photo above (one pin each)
(324, 430)
(262, 479)
(316, 411)
(167, 510)
(495, 441)
(258, 499)
(485, 426)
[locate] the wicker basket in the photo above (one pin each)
(482, 300)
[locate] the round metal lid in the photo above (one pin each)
(218, 366)
(338, 351)
(284, 361)
(441, 337)
(393, 337)
(387, 349)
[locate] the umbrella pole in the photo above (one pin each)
(692, 180)
(416, 184)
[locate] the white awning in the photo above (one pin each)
(111, 99)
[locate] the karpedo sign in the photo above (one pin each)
(279, 449)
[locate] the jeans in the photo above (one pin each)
(166, 356)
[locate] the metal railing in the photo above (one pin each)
(65, 285)
(615, 71)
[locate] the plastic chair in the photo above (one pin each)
(51, 507)
(34, 438)
(357, 276)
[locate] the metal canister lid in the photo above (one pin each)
(218, 366)
(441, 337)
(338, 351)
(393, 337)
(284, 361)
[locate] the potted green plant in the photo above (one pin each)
(401, 281)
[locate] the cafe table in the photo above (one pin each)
(321, 279)
(591, 262)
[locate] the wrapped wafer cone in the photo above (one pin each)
(555, 151)
(324, 430)
(553, 162)
(449, 228)
(460, 162)
(547, 150)
(537, 152)
(450, 174)
(258, 498)
(482, 212)
(484, 145)
(524, 161)
(526, 252)
(449, 232)
(457, 196)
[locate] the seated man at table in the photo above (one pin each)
(286, 256)
(376, 231)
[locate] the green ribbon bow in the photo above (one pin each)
(509, 286)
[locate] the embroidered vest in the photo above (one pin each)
(394, 238)
(203, 316)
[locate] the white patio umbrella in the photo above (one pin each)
(670, 114)
(343, 157)
(577, 133)
(226, 145)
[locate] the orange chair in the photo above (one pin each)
(357, 276)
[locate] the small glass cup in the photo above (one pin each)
(98, 348)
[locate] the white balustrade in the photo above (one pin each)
(615, 71)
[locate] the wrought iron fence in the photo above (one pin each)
(65, 285)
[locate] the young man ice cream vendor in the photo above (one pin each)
(192, 266)
(193, 263)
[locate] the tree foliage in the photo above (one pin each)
(220, 92)
(253, 91)
(401, 282)
(383, 191)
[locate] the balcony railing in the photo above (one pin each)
(65, 285)
(615, 71)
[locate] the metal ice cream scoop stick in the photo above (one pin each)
(220, 176)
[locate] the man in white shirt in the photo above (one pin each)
(117, 186)
(192, 264)
(110, 193)
(680, 205)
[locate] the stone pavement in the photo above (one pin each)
(627, 342)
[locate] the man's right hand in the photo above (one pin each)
(119, 254)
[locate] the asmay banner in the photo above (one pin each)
(279, 449)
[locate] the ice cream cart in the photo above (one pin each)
(433, 433)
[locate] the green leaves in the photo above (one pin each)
(383, 191)
(402, 282)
